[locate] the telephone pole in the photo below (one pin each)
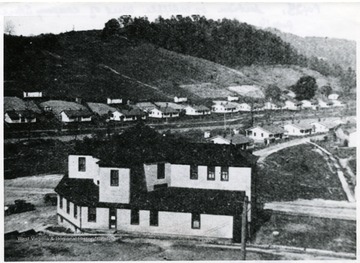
(244, 228)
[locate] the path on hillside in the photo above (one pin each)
(335, 164)
(135, 80)
(316, 208)
(263, 153)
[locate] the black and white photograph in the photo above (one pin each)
(182, 131)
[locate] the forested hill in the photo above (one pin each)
(141, 60)
(338, 51)
(227, 42)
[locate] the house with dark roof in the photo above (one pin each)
(133, 114)
(81, 115)
(265, 133)
(236, 139)
(67, 111)
(197, 110)
(143, 182)
(17, 110)
(104, 110)
(224, 107)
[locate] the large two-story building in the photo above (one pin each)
(143, 182)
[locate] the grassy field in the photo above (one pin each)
(45, 248)
(307, 232)
(298, 172)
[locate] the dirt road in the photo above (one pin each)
(317, 208)
(263, 153)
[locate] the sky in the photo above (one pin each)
(336, 20)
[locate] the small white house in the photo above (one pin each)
(26, 116)
(224, 108)
(325, 104)
(269, 105)
(75, 116)
(298, 129)
(333, 96)
(195, 110)
(113, 101)
(292, 105)
(236, 139)
(116, 116)
(244, 107)
(232, 98)
(265, 133)
(32, 94)
(163, 112)
(307, 104)
(180, 99)
(324, 126)
(338, 103)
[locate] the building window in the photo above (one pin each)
(262, 135)
(211, 173)
(135, 217)
(154, 218)
(68, 206)
(161, 171)
(92, 214)
(75, 211)
(225, 173)
(195, 221)
(193, 172)
(61, 202)
(114, 178)
(255, 134)
(82, 164)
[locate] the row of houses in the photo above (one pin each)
(271, 133)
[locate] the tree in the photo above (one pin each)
(326, 90)
(9, 27)
(273, 92)
(305, 88)
(111, 28)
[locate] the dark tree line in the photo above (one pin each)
(225, 41)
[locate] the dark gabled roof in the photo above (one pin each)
(101, 108)
(14, 103)
(191, 200)
(133, 112)
(13, 115)
(79, 191)
(200, 108)
(77, 113)
(238, 139)
(167, 110)
(273, 129)
(142, 144)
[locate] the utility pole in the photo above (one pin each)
(244, 228)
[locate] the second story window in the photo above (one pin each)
(82, 164)
(193, 172)
(114, 178)
(211, 173)
(161, 171)
(61, 202)
(224, 173)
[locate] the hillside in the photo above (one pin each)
(334, 51)
(82, 64)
